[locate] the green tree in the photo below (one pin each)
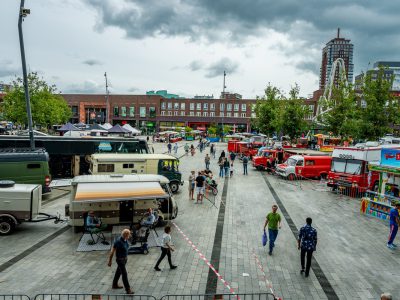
(226, 129)
(381, 110)
(188, 129)
(47, 107)
(212, 130)
(292, 114)
(267, 110)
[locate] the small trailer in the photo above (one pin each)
(20, 203)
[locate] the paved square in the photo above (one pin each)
(351, 250)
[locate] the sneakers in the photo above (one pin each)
(394, 245)
(173, 267)
(391, 246)
(157, 269)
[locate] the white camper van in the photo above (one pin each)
(120, 199)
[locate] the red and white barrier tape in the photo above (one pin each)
(226, 284)
(269, 284)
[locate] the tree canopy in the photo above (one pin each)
(47, 107)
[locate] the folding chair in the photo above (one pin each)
(93, 231)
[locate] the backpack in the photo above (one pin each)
(245, 160)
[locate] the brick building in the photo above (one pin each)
(154, 112)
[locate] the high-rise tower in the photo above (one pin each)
(335, 48)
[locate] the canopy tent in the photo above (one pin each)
(121, 191)
(106, 126)
(118, 129)
(131, 129)
(97, 128)
(68, 127)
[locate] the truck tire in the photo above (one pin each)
(7, 225)
(174, 186)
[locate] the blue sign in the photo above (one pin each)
(390, 157)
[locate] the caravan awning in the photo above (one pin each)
(118, 191)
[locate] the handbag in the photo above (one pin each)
(264, 238)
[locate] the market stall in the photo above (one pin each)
(378, 203)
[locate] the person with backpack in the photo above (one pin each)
(245, 162)
(232, 156)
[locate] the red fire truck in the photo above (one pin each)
(349, 168)
(268, 159)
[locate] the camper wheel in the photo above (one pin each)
(7, 225)
(174, 186)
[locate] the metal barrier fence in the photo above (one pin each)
(90, 297)
(260, 296)
(14, 297)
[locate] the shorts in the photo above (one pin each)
(200, 190)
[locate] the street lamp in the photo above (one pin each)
(23, 12)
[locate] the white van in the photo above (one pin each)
(120, 199)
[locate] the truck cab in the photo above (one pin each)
(306, 166)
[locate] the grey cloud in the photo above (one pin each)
(86, 87)
(7, 69)
(92, 62)
(218, 68)
(196, 65)
(133, 90)
(370, 24)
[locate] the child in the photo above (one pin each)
(231, 173)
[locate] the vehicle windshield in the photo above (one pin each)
(291, 162)
(348, 166)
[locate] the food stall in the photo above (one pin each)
(378, 203)
(326, 143)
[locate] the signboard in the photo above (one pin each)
(358, 153)
(390, 157)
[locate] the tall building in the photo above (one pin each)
(336, 48)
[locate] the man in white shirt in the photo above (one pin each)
(166, 249)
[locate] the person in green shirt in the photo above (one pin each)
(273, 221)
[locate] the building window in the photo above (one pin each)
(205, 106)
(191, 113)
(221, 114)
(222, 107)
(198, 114)
(212, 114)
(228, 114)
(169, 105)
(169, 113)
(229, 107)
(152, 112)
(182, 113)
(175, 113)
(243, 115)
(123, 111)
(182, 106)
(116, 111)
(244, 107)
(191, 106)
(205, 114)
(236, 115)
(176, 106)
(74, 110)
(163, 113)
(142, 112)
(162, 105)
(236, 107)
(198, 106)
(132, 111)
(212, 106)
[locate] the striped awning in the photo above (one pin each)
(118, 191)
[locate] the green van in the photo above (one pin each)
(25, 166)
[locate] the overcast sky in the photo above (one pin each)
(185, 45)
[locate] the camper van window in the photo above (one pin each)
(299, 163)
(105, 168)
(33, 166)
(128, 166)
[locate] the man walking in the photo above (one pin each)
(226, 167)
(200, 187)
(212, 150)
(393, 225)
(169, 146)
(176, 148)
(245, 162)
(166, 249)
(232, 156)
(120, 249)
(207, 161)
(273, 221)
(307, 243)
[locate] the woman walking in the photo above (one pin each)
(166, 249)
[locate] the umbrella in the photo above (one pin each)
(131, 129)
(118, 129)
(68, 127)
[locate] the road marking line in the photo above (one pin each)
(231, 290)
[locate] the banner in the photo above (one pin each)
(390, 157)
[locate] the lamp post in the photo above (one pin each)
(23, 12)
(107, 110)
